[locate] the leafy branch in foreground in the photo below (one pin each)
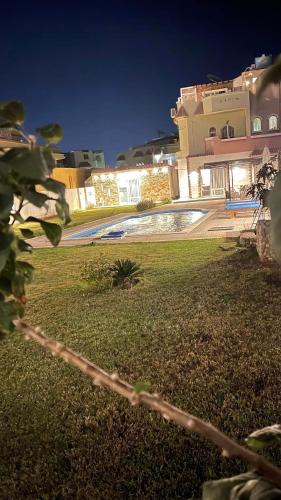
(264, 482)
(22, 170)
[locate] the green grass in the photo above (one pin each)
(81, 217)
(203, 328)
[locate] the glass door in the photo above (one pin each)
(134, 190)
(129, 191)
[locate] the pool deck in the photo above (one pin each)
(215, 224)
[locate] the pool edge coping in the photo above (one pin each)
(135, 215)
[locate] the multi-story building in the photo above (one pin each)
(161, 149)
(84, 158)
(223, 130)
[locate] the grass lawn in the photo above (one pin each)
(81, 217)
(203, 328)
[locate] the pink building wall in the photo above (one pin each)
(217, 146)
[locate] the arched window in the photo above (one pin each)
(148, 152)
(212, 132)
(227, 132)
(257, 124)
(138, 154)
(121, 158)
(273, 122)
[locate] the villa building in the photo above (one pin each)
(84, 158)
(223, 129)
(159, 150)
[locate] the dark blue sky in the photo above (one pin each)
(109, 72)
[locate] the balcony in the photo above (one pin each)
(217, 146)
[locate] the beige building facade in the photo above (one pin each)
(223, 129)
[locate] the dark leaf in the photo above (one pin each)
(51, 230)
(25, 269)
(5, 286)
(18, 282)
(52, 133)
(23, 246)
(12, 112)
(30, 164)
(6, 188)
(5, 242)
(37, 199)
(6, 204)
(8, 312)
(27, 233)
(63, 211)
(49, 159)
(54, 186)
(264, 437)
(5, 169)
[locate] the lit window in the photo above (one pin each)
(212, 132)
(257, 125)
(273, 123)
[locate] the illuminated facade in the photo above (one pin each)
(128, 186)
(223, 129)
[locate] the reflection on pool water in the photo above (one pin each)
(168, 221)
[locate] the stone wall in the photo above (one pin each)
(106, 192)
(155, 187)
(264, 247)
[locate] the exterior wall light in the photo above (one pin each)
(164, 170)
(155, 170)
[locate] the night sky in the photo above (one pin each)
(109, 72)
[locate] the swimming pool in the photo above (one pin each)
(164, 221)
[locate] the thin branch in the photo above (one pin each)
(154, 402)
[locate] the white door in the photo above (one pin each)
(218, 181)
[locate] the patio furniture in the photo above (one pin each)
(233, 207)
(113, 235)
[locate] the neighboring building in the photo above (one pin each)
(157, 150)
(223, 129)
(84, 158)
(127, 186)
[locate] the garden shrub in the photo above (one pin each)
(95, 275)
(125, 273)
(144, 205)
(101, 275)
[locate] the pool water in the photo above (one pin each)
(168, 221)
